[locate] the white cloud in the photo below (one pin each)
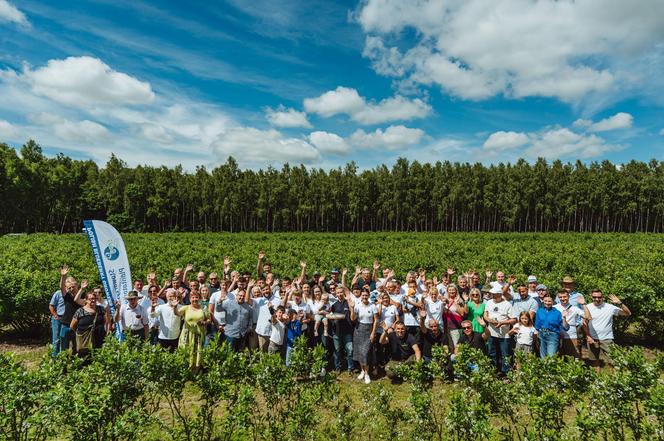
(333, 102)
(10, 14)
(661, 132)
(287, 118)
(329, 142)
(258, 147)
(506, 140)
(475, 49)
(620, 120)
(170, 128)
(392, 138)
(86, 131)
(562, 142)
(156, 133)
(76, 131)
(86, 82)
(7, 131)
(344, 100)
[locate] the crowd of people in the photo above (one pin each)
(367, 323)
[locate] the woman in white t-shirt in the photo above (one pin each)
(364, 314)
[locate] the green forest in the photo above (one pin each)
(54, 194)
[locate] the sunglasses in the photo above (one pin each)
(466, 327)
(597, 297)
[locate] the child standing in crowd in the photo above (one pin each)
(293, 331)
(525, 334)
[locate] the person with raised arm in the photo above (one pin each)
(89, 325)
(169, 322)
(192, 336)
(132, 317)
(265, 306)
(403, 347)
(598, 325)
(431, 334)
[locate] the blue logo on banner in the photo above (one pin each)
(111, 252)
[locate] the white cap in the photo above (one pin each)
(532, 279)
(496, 290)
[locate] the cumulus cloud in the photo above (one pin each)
(620, 120)
(506, 140)
(392, 138)
(256, 146)
(86, 82)
(7, 131)
(475, 49)
(329, 142)
(10, 14)
(287, 118)
(345, 100)
(562, 142)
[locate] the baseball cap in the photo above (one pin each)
(540, 286)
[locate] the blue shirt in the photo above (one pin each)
(293, 331)
(550, 319)
(519, 305)
(58, 302)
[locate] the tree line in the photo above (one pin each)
(54, 194)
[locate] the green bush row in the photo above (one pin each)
(135, 391)
(628, 265)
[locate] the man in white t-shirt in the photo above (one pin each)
(599, 325)
(265, 307)
(499, 316)
(505, 286)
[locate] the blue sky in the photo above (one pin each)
(326, 82)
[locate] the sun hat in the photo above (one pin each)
(133, 295)
(496, 290)
(532, 279)
(567, 279)
(540, 286)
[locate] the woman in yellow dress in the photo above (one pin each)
(192, 337)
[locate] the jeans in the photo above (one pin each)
(347, 341)
(67, 338)
(289, 349)
(236, 343)
(548, 343)
(499, 351)
(56, 327)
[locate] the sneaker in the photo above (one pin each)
(361, 376)
(367, 380)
